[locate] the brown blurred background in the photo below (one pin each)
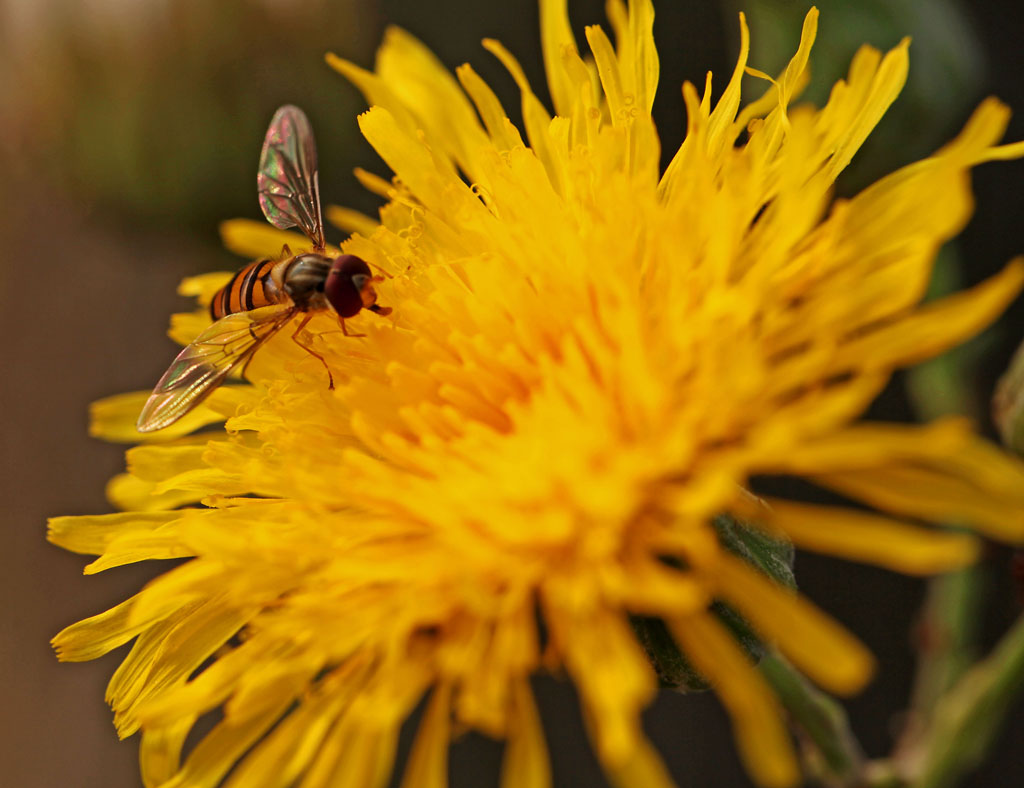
(130, 129)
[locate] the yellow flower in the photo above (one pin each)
(587, 361)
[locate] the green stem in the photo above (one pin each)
(967, 718)
(839, 760)
(946, 636)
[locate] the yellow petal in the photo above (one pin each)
(285, 754)
(129, 493)
(535, 117)
(868, 445)
(204, 286)
(113, 419)
(935, 327)
(218, 750)
(157, 545)
(929, 494)
(160, 751)
(254, 239)
(424, 86)
(95, 636)
(351, 221)
(757, 720)
(428, 762)
(167, 654)
(613, 676)
(885, 87)
(409, 158)
(91, 534)
(644, 769)
(556, 34)
(609, 73)
(873, 538)
(525, 764)
(816, 644)
(721, 121)
(643, 53)
(503, 134)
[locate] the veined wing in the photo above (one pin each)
(204, 364)
(287, 181)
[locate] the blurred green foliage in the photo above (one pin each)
(160, 116)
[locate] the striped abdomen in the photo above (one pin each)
(251, 288)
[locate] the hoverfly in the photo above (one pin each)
(264, 296)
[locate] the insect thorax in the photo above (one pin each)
(304, 280)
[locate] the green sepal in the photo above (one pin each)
(771, 556)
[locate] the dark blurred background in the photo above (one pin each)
(130, 129)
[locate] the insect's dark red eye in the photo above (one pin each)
(341, 290)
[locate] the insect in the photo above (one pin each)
(264, 296)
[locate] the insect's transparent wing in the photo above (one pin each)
(287, 181)
(204, 364)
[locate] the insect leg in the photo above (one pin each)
(308, 349)
(341, 322)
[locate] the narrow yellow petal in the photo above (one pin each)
(364, 758)
(129, 493)
(618, 17)
(503, 133)
(722, 118)
(816, 644)
(204, 286)
(160, 751)
(187, 326)
(556, 34)
(374, 183)
(428, 90)
(428, 762)
(612, 673)
(218, 750)
(173, 591)
(798, 64)
(935, 327)
(154, 545)
(167, 654)
(287, 752)
(930, 494)
(525, 764)
(608, 71)
(886, 86)
(868, 445)
(645, 64)
(214, 684)
(644, 769)
(95, 636)
(91, 534)
(157, 463)
(253, 239)
(409, 158)
(871, 538)
(113, 419)
(351, 221)
(982, 130)
(757, 720)
(535, 117)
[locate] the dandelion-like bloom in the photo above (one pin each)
(587, 361)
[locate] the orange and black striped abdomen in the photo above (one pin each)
(245, 291)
